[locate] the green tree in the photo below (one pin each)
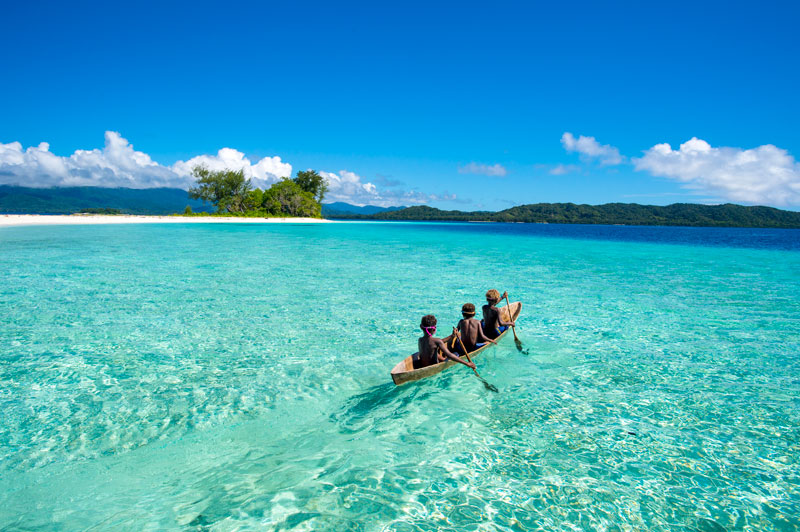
(313, 183)
(227, 189)
(255, 198)
(287, 198)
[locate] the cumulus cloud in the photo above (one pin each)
(263, 173)
(494, 170)
(350, 187)
(347, 186)
(766, 174)
(590, 149)
(118, 164)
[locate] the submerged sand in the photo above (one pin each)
(94, 219)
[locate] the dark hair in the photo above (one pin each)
(468, 308)
(429, 320)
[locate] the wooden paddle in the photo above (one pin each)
(513, 328)
(490, 387)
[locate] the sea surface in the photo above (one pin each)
(236, 377)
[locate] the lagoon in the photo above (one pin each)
(236, 377)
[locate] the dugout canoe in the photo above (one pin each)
(404, 371)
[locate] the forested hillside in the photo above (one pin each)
(686, 214)
(68, 200)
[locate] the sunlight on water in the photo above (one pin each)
(212, 377)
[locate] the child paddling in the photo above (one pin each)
(471, 331)
(493, 324)
(433, 350)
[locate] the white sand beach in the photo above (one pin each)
(7, 220)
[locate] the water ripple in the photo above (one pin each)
(236, 378)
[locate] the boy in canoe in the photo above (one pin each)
(471, 331)
(493, 324)
(433, 350)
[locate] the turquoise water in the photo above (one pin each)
(208, 377)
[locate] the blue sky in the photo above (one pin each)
(459, 105)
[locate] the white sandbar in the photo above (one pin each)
(7, 220)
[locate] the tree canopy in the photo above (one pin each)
(226, 189)
(313, 183)
(289, 198)
(232, 193)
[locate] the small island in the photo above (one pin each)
(234, 195)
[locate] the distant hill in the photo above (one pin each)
(344, 209)
(685, 214)
(68, 200)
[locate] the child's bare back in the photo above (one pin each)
(491, 315)
(431, 350)
(470, 329)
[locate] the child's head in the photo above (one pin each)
(492, 296)
(428, 324)
(468, 310)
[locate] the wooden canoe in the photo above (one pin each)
(404, 371)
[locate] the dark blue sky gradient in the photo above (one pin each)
(407, 90)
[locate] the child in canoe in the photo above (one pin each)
(493, 324)
(471, 331)
(433, 350)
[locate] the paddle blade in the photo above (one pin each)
(490, 387)
(519, 344)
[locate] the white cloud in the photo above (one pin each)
(495, 170)
(119, 165)
(561, 169)
(116, 165)
(265, 172)
(349, 187)
(765, 175)
(589, 148)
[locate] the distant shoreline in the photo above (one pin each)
(676, 214)
(15, 220)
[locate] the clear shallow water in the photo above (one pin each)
(237, 378)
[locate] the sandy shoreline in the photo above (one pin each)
(9, 220)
